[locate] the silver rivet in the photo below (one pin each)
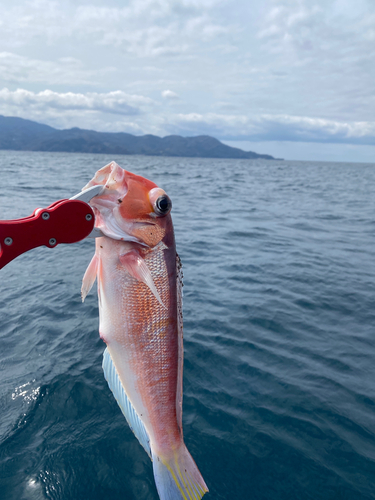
(88, 217)
(45, 215)
(8, 241)
(52, 242)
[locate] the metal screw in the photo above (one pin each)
(88, 217)
(45, 215)
(52, 242)
(8, 241)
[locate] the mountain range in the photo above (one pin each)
(26, 135)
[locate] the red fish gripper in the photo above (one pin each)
(65, 221)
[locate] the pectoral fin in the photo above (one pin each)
(89, 277)
(137, 267)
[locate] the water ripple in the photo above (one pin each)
(279, 309)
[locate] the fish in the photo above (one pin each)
(139, 282)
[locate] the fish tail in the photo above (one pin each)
(178, 478)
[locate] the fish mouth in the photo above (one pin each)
(109, 220)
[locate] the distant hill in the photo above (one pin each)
(26, 135)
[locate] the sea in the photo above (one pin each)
(279, 335)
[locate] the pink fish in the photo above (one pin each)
(140, 309)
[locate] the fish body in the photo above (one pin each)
(139, 288)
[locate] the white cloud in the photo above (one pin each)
(66, 70)
(44, 19)
(169, 94)
(294, 29)
(118, 111)
(275, 127)
(143, 27)
(301, 29)
(116, 102)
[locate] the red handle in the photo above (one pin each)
(65, 221)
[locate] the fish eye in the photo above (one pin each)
(163, 205)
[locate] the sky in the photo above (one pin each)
(291, 78)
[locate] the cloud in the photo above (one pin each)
(142, 27)
(275, 128)
(152, 28)
(301, 30)
(118, 111)
(116, 102)
(66, 70)
(43, 19)
(169, 94)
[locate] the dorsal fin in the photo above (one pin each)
(179, 285)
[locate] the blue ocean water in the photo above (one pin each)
(279, 335)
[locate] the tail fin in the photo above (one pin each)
(178, 478)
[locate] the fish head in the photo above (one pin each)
(131, 208)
